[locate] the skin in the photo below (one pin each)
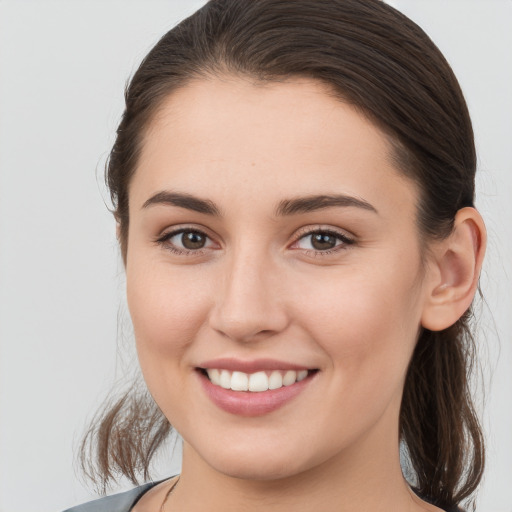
(259, 290)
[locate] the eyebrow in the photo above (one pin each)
(285, 207)
(320, 202)
(182, 200)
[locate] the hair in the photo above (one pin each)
(380, 62)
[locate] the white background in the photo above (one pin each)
(63, 66)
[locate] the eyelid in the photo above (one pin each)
(345, 238)
(322, 228)
(164, 238)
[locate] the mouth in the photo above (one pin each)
(257, 382)
(254, 388)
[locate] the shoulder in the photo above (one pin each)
(122, 502)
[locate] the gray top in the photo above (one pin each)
(122, 502)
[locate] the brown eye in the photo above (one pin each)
(193, 240)
(186, 241)
(323, 241)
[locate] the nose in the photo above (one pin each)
(250, 303)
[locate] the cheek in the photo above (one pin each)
(167, 308)
(368, 333)
(166, 314)
(366, 325)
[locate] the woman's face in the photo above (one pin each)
(269, 235)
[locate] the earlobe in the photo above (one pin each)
(457, 262)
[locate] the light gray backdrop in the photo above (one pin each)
(63, 66)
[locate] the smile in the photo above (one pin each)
(263, 387)
(255, 382)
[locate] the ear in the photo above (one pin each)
(454, 270)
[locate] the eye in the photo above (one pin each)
(185, 241)
(322, 241)
(190, 240)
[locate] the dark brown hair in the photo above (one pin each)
(379, 61)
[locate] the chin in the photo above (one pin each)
(256, 470)
(259, 463)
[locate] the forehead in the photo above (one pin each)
(230, 137)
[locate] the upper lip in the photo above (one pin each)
(256, 365)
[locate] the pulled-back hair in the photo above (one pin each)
(376, 59)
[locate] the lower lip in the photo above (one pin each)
(247, 403)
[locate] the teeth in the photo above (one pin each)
(258, 381)
(255, 382)
(239, 381)
(302, 375)
(275, 380)
(289, 378)
(215, 375)
(224, 379)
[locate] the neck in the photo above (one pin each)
(364, 477)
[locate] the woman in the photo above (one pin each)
(294, 189)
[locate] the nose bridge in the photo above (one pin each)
(248, 305)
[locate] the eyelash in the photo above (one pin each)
(345, 241)
(343, 238)
(164, 241)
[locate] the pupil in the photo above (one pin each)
(322, 241)
(192, 240)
